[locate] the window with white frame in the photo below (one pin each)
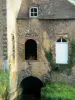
(61, 51)
(33, 12)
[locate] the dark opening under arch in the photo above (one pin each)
(30, 50)
(31, 86)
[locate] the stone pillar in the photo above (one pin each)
(12, 11)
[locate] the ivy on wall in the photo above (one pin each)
(62, 67)
(72, 54)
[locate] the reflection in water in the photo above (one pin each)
(30, 97)
(27, 97)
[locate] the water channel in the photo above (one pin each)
(31, 89)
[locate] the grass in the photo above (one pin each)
(4, 83)
(58, 91)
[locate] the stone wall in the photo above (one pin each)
(12, 11)
(48, 9)
(3, 32)
(45, 33)
(63, 77)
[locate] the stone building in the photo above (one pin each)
(33, 27)
(3, 33)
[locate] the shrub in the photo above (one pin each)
(58, 91)
(4, 84)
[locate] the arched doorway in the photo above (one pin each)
(30, 50)
(31, 87)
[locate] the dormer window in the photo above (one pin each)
(33, 12)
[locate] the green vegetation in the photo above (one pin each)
(63, 67)
(58, 91)
(4, 84)
(49, 57)
(72, 54)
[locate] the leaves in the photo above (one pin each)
(4, 81)
(58, 90)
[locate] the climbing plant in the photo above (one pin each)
(72, 53)
(63, 67)
(49, 57)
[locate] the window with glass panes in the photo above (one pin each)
(33, 12)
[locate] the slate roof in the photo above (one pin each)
(48, 9)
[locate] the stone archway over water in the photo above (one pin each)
(31, 87)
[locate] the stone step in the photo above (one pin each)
(5, 48)
(4, 35)
(4, 38)
(5, 42)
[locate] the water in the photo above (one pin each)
(31, 89)
(27, 97)
(30, 97)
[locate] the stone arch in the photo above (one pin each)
(31, 85)
(30, 50)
